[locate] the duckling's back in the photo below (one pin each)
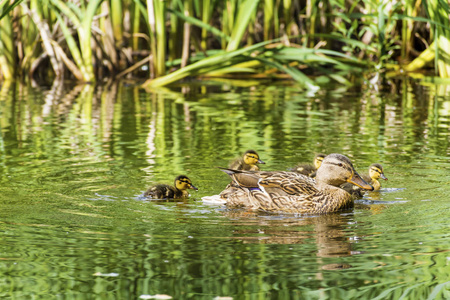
(239, 164)
(163, 191)
(305, 169)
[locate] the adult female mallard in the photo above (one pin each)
(165, 191)
(295, 193)
(375, 173)
(309, 169)
(249, 162)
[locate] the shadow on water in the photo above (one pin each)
(73, 160)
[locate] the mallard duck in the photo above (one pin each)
(249, 161)
(375, 173)
(296, 193)
(309, 169)
(165, 191)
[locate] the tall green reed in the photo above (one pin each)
(176, 35)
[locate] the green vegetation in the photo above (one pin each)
(165, 41)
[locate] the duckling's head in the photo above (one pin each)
(182, 182)
(252, 158)
(337, 169)
(318, 160)
(376, 171)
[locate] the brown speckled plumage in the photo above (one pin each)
(295, 193)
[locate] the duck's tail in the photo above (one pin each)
(247, 179)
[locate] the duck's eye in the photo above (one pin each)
(340, 165)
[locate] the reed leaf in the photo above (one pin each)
(225, 58)
(269, 6)
(7, 6)
(7, 53)
(296, 74)
(246, 11)
(83, 27)
(116, 15)
(200, 24)
(73, 47)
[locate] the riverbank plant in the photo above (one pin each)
(167, 41)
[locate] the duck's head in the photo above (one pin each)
(318, 160)
(252, 158)
(182, 182)
(337, 169)
(376, 171)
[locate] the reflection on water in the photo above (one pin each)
(74, 160)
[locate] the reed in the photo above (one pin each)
(7, 54)
(7, 46)
(438, 10)
(181, 38)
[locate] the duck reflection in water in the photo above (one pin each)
(330, 231)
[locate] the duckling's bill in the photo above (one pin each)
(358, 181)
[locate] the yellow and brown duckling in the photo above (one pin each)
(309, 169)
(249, 162)
(165, 191)
(291, 192)
(375, 173)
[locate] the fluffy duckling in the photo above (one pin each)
(309, 169)
(165, 191)
(295, 193)
(249, 162)
(375, 173)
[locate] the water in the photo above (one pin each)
(74, 160)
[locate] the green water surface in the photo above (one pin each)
(75, 159)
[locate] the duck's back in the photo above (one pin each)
(163, 191)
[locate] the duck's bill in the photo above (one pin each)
(383, 177)
(261, 162)
(193, 187)
(358, 181)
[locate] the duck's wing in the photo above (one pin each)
(245, 179)
(271, 200)
(289, 182)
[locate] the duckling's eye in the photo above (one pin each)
(340, 164)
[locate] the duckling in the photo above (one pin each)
(291, 192)
(375, 173)
(248, 162)
(309, 169)
(165, 191)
